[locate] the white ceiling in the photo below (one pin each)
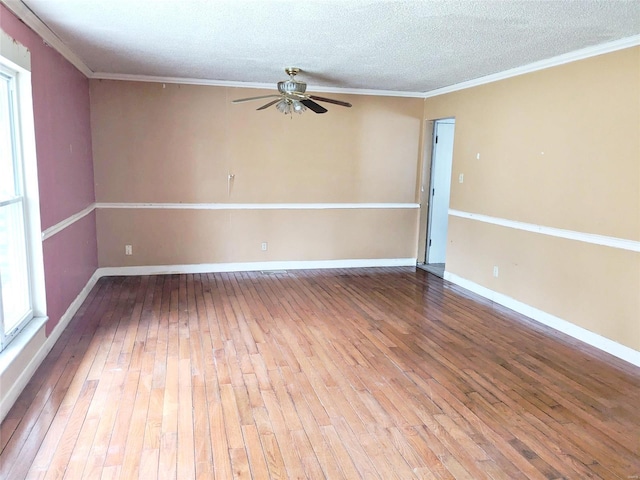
(402, 45)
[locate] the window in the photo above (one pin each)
(15, 301)
(22, 296)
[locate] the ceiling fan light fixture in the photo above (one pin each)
(284, 106)
(298, 107)
(289, 106)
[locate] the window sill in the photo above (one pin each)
(18, 344)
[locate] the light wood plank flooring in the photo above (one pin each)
(368, 373)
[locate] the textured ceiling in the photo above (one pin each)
(412, 46)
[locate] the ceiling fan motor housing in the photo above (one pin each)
(292, 86)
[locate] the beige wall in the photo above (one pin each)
(156, 143)
(174, 237)
(558, 148)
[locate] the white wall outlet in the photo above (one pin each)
(128, 250)
(461, 178)
(264, 246)
(477, 156)
(495, 271)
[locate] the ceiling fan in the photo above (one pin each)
(292, 97)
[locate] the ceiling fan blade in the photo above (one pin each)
(268, 104)
(330, 100)
(311, 105)
(241, 100)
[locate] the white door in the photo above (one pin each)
(441, 161)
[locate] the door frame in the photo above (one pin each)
(434, 147)
(426, 187)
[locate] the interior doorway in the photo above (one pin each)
(439, 194)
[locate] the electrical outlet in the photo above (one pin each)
(128, 250)
(461, 178)
(495, 271)
(264, 246)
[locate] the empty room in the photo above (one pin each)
(323, 239)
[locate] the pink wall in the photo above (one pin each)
(65, 166)
(69, 259)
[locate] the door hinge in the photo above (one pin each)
(433, 192)
(436, 139)
(429, 242)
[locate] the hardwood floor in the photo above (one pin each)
(368, 373)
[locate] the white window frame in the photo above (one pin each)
(15, 63)
(10, 76)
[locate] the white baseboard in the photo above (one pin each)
(256, 266)
(9, 397)
(602, 343)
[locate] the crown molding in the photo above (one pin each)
(25, 14)
(178, 80)
(264, 86)
(574, 56)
